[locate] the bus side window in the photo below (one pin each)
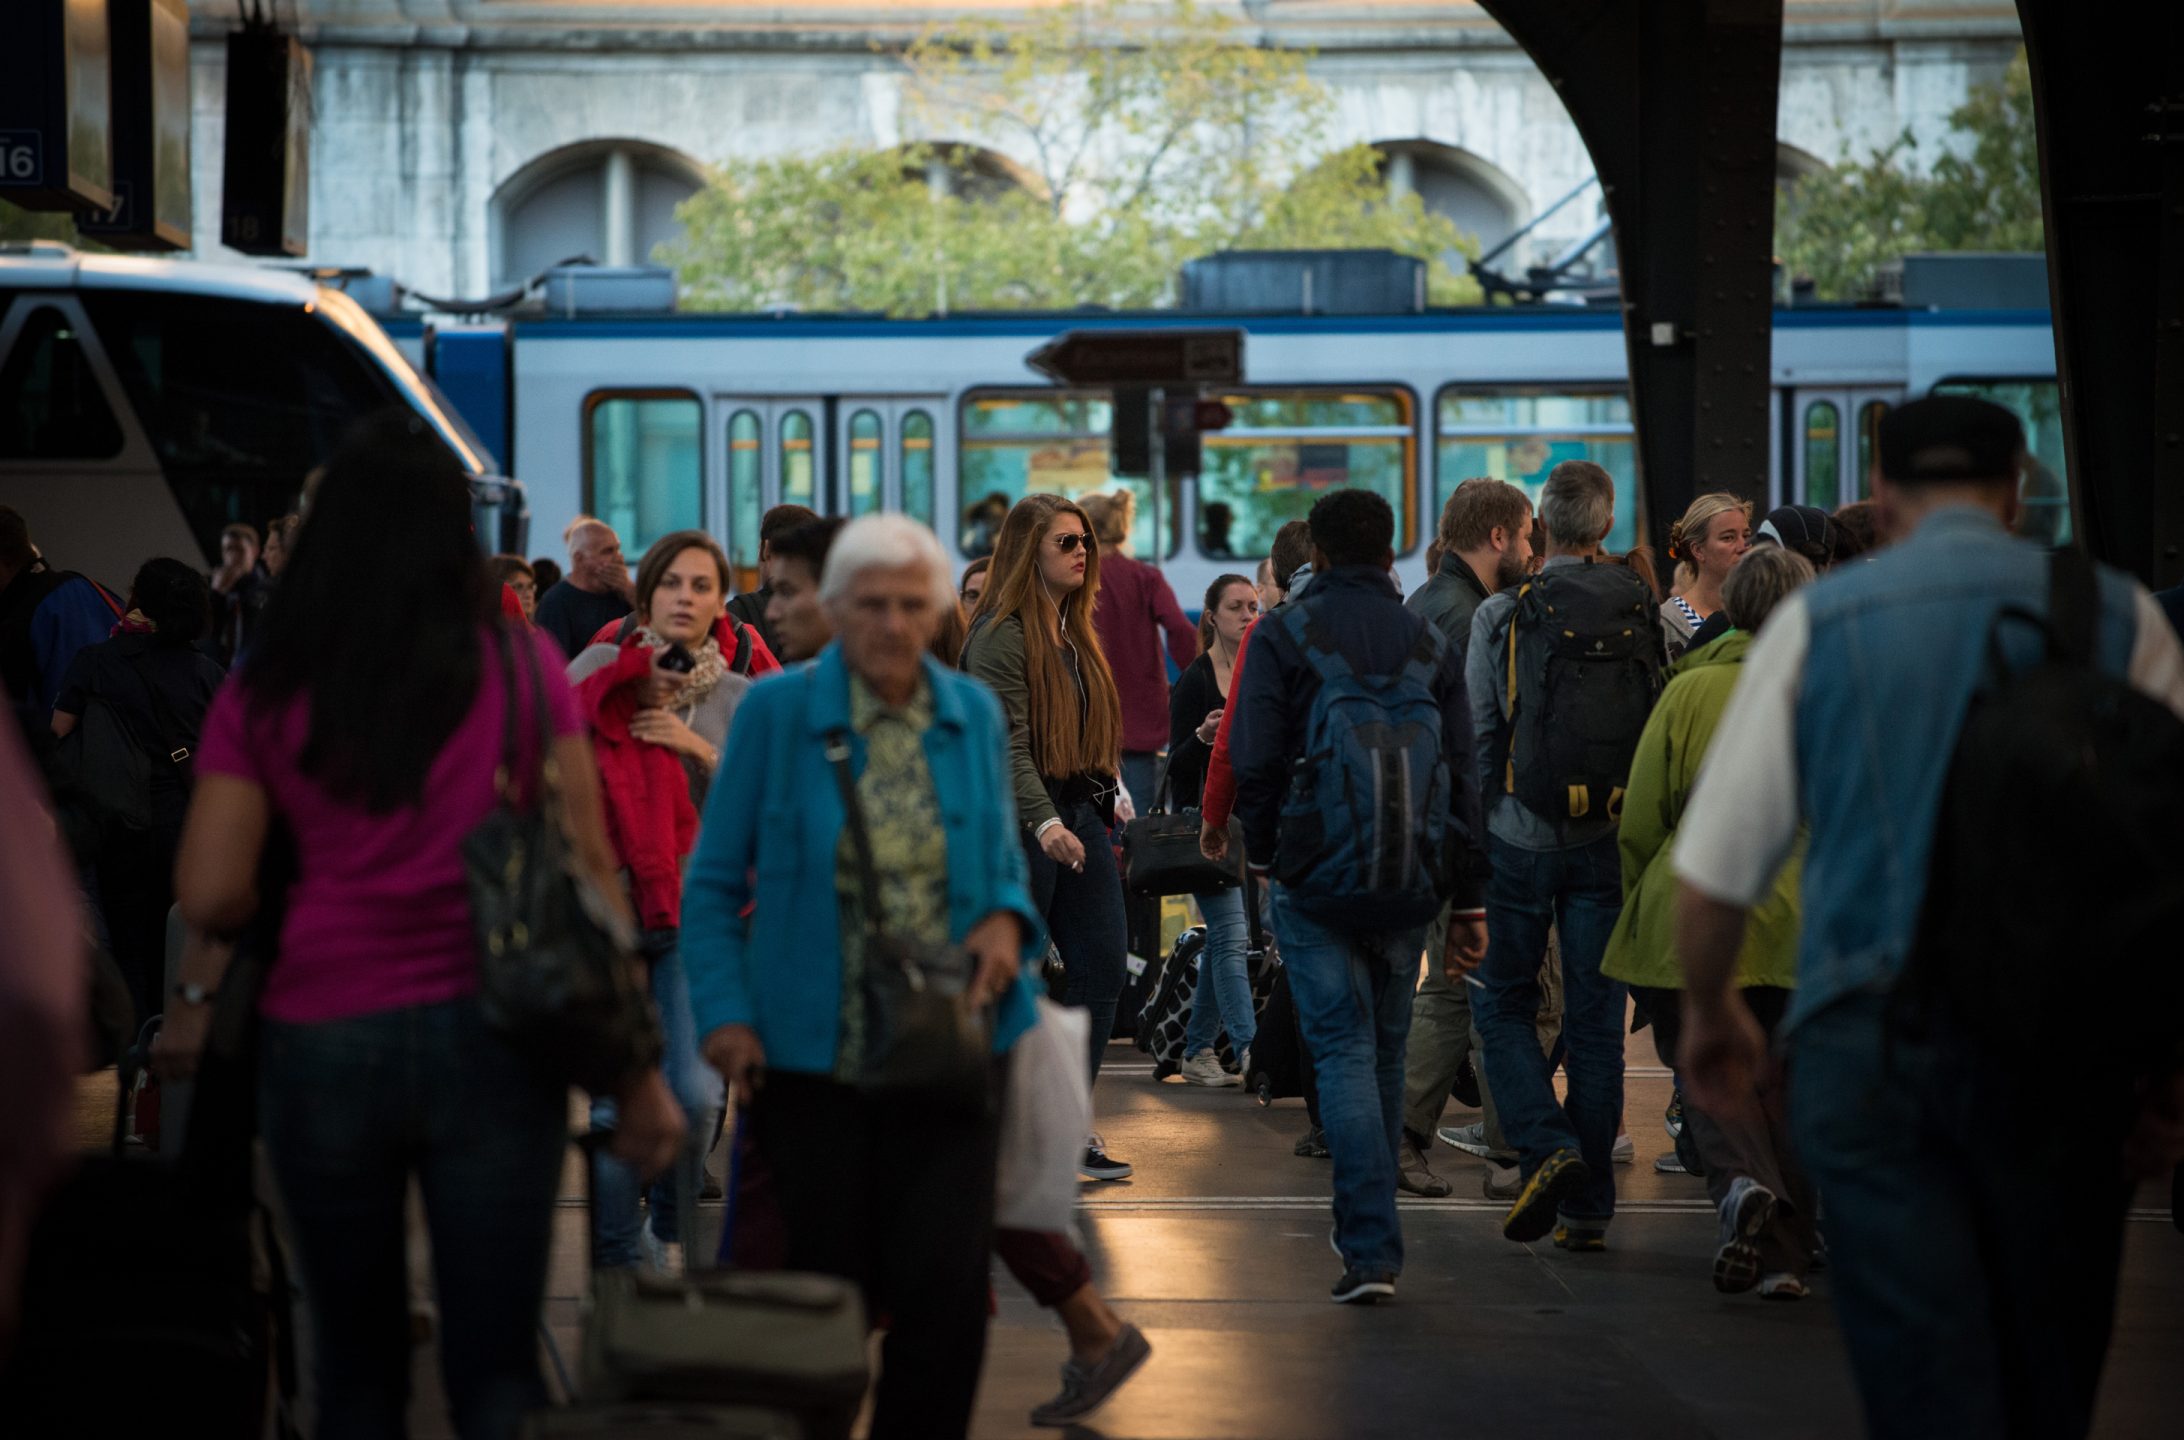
(52, 406)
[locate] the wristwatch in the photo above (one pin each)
(189, 992)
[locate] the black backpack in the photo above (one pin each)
(1584, 670)
(2056, 890)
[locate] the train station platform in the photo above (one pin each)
(1217, 1249)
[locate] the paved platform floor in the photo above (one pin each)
(1218, 1249)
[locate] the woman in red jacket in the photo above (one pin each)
(658, 691)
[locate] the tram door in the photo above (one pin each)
(1831, 441)
(843, 455)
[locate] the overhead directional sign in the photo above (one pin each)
(1142, 357)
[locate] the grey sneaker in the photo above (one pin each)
(1624, 1151)
(1503, 1181)
(1204, 1068)
(1471, 1139)
(1414, 1177)
(1313, 1145)
(1085, 1388)
(1745, 1211)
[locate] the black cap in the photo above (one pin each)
(1950, 438)
(1802, 528)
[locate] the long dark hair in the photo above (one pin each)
(376, 619)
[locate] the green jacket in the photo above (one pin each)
(995, 654)
(1642, 950)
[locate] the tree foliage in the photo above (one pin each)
(1146, 139)
(1983, 193)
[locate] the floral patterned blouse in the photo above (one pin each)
(909, 849)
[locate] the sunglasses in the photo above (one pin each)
(1068, 544)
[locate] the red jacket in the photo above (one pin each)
(650, 820)
(1133, 609)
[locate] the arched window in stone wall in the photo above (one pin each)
(973, 172)
(613, 200)
(1482, 199)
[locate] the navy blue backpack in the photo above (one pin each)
(1365, 835)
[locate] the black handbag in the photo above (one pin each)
(923, 1035)
(1160, 854)
(557, 974)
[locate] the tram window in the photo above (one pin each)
(2044, 488)
(51, 404)
(1040, 442)
(1521, 434)
(239, 400)
(641, 471)
(798, 470)
(1823, 454)
(864, 463)
(1286, 448)
(746, 495)
(1869, 431)
(917, 466)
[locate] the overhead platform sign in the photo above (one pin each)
(1129, 358)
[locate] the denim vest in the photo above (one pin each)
(1899, 646)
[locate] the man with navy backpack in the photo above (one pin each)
(1351, 743)
(1562, 672)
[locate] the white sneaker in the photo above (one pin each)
(661, 1257)
(1204, 1068)
(1624, 1152)
(1782, 1285)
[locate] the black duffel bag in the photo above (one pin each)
(1160, 854)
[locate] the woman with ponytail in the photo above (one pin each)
(1035, 645)
(1715, 531)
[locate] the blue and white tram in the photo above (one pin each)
(660, 422)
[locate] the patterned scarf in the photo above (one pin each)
(136, 622)
(699, 683)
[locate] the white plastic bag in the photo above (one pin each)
(1044, 1120)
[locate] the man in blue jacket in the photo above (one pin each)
(1355, 785)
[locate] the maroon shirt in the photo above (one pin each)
(1134, 606)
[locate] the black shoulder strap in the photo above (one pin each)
(741, 665)
(860, 839)
(162, 716)
(2074, 607)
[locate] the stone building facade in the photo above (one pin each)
(462, 144)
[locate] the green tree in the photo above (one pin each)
(1149, 138)
(1839, 226)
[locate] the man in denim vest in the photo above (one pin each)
(1975, 1259)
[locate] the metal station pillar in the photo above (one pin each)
(1676, 100)
(2109, 97)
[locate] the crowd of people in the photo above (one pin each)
(1492, 826)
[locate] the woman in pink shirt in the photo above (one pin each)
(368, 721)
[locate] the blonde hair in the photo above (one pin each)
(1065, 740)
(1110, 516)
(1702, 513)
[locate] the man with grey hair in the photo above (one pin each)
(1561, 674)
(595, 593)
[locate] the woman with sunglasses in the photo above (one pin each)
(1034, 644)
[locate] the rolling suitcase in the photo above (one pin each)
(1166, 1013)
(1280, 1064)
(714, 1353)
(662, 1422)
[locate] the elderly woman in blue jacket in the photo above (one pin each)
(888, 1191)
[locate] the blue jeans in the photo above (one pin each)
(1223, 998)
(1353, 994)
(1974, 1256)
(698, 1089)
(1084, 914)
(350, 1109)
(1580, 892)
(1140, 773)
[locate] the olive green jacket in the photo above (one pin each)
(1642, 950)
(995, 655)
